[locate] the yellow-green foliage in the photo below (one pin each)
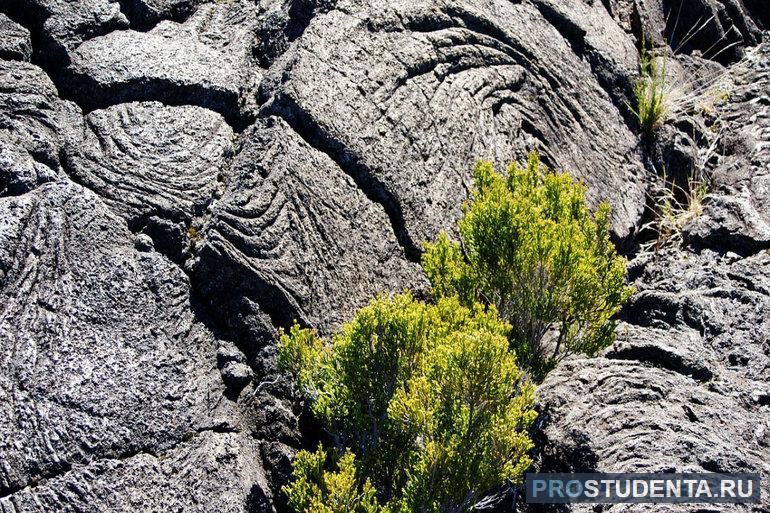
(329, 491)
(532, 248)
(193, 232)
(428, 396)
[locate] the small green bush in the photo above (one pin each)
(428, 396)
(322, 491)
(531, 247)
(650, 91)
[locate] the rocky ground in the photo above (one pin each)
(181, 178)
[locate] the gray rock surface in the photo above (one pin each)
(156, 166)
(102, 355)
(737, 214)
(284, 21)
(147, 158)
(205, 61)
(685, 387)
(62, 25)
(675, 392)
(111, 397)
(181, 178)
(293, 233)
(35, 122)
(209, 471)
(406, 96)
(15, 42)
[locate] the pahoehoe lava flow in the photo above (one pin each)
(181, 179)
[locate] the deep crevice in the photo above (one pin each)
(313, 134)
(250, 312)
(142, 19)
(302, 12)
(242, 322)
(285, 25)
(250, 309)
(89, 95)
(759, 12)
(48, 53)
(63, 468)
(723, 241)
(219, 429)
(700, 26)
(136, 225)
(180, 256)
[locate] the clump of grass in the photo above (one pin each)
(674, 207)
(650, 89)
(702, 89)
(194, 235)
(193, 232)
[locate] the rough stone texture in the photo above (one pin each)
(61, 25)
(111, 398)
(293, 233)
(15, 42)
(312, 145)
(96, 364)
(737, 214)
(685, 387)
(406, 96)
(284, 21)
(205, 61)
(155, 166)
(33, 125)
(209, 472)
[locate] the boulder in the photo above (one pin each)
(62, 25)
(103, 354)
(15, 41)
(110, 400)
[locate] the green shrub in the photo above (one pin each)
(320, 490)
(428, 396)
(532, 248)
(650, 90)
